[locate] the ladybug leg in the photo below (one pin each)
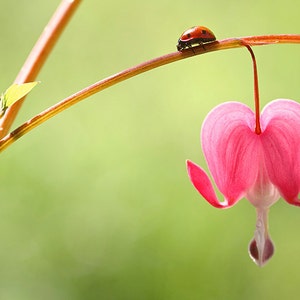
(203, 46)
(191, 47)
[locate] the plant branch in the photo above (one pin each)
(141, 68)
(38, 56)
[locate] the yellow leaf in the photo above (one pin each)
(17, 91)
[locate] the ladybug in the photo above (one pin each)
(196, 35)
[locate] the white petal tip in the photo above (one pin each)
(261, 257)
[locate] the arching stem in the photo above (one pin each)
(143, 67)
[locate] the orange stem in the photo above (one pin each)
(38, 56)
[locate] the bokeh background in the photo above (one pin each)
(96, 203)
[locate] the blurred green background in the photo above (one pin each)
(96, 203)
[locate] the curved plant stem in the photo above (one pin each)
(141, 68)
(39, 54)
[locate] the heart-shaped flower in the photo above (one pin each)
(260, 167)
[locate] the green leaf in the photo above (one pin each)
(15, 92)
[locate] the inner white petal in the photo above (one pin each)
(263, 193)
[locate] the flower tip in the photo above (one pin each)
(261, 257)
(203, 185)
(188, 163)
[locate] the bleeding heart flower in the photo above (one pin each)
(251, 155)
(261, 167)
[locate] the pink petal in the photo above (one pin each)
(281, 141)
(203, 185)
(232, 149)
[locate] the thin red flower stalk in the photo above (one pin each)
(256, 92)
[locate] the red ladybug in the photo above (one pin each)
(196, 35)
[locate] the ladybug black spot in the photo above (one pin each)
(188, 35)
(203, 31)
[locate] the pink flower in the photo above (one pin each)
(261, 166)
